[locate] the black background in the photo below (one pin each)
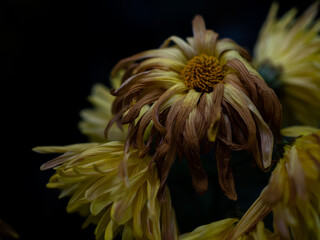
(53, 52)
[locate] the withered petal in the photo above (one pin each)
(235, 98)
(223, 155)
(192, 152)
(145, 100)
(156, 109)
(246, 79)
(129, 82)
(199, 31)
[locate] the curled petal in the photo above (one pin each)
(183, 46)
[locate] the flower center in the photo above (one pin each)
(202, 73)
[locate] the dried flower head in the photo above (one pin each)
(200, 92)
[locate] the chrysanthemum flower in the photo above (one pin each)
(199, 92)
(89, 173)
(287, 55)
(293, 191)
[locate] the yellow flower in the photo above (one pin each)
(200, 92)
(287, 55)
(89, 173)
(293, 191)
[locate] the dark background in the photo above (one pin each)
(53, 52)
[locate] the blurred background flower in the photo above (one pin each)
(287, 55)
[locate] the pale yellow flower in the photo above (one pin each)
(89, 174)
(200, 91)
(287, 55)
(293, 191)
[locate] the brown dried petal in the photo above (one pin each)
(192, 152)
(223, 155)
(246, 79)
(145, 100)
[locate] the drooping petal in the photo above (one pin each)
(265, 134)
(192, 153)
(236, 99)
(226, 181)
(213, 111)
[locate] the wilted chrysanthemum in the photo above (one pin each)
(89, 173)
(287, 55)
(199, 92)
(293, 191)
